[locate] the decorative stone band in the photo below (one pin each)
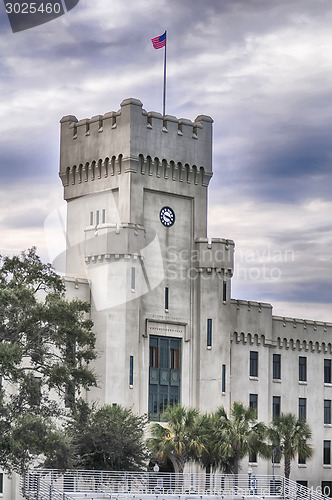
(114, 166)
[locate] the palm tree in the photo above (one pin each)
(210, 456)
(180, 437)
(290, 435)
(239, 435)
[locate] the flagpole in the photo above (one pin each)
(164, 92)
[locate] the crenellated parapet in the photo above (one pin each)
(252, 339)
(300, 334)
(252, 318)
(215, 255)
(254, 323)
(132, 140)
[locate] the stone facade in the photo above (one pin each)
(136, 186)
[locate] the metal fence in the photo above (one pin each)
(34, 487)
(40, 484)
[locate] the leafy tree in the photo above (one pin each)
(290, 436)
(239, 435)
(180, 437)
(106, 438)
(46, 345)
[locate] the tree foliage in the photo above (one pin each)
(181, 437)
(239, 434)
(46, 345)
(215, 440)
(290, 436)
(212, 457)
(106, 438)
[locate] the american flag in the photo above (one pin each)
(159, 41)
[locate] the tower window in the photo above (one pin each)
(302, 369)
(103, 216)
(97, 217)
(327, 453)
(131, 370)
(327, 411)
(327, 371)
(166, 298)
(91, 218)
(253, 368)
(302, 409)
(276, 366)
(276, 404)
(224, 291)
(209, 333)
(253, 402)
(223, 378)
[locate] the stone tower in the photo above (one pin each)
(136, 190)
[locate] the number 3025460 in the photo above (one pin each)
(33, 8)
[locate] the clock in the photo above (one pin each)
(167, 216)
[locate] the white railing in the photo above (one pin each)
(34, 487)
(40, 484)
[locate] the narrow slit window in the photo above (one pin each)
(302, 369)
(209, 333)
(276, 406)
(253, 364)
(223, 378)
(103, 216)
(327, 411)
(97, 217)
(131, 370)
(276, 366)
(302, 409)
(133, 279)
(166, 298)
(91, 218)
(327, 371)
(224, 290)
(327, 453)
(253, 402)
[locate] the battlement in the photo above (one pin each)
(254, 323)
(216, 253)
(301, 330)
(131, 133)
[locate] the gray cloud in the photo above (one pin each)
(261, 69)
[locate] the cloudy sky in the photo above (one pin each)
(261, 68)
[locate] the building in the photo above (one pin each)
(168, 330)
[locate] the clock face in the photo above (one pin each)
(167, 216)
